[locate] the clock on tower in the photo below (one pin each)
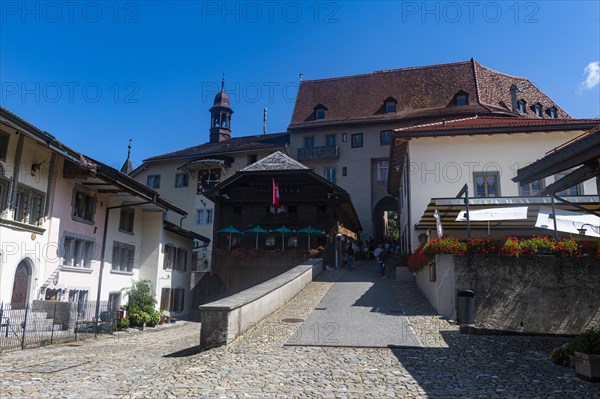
(207, 179)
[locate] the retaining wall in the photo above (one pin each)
(542, 294)
(228, 318)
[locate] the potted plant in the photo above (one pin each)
(586, 354)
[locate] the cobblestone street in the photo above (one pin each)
(165, 363)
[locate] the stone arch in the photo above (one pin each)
(385, 204)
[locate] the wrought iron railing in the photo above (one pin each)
(330, 151)
(43, 323)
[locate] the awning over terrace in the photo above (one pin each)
(450, 208)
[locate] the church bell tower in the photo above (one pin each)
(220, 117)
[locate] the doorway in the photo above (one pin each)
(20, 292)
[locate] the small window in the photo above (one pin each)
(522, 106)
(30, 205)
(319, 113)
(382, 171)
(344, 137)
(309, 142)
(532, 189)
(153, 181)
(180, 262)
(486, 184)
(204, 216)
(84, 204)
(123, 257)
(344, 171)
(552, 112)
(169, 257)
(330, 140)
(385, 137)
(270, 241)
(537, 110)
(126, 220)
(571, 191)
(252, 158)
(181, 180)
(390, 107)
(292, 242)
(4, 189)
(357, 140)
(78, 252)
(172, 299)
(4, 139)
(330, 174)
(462, 99)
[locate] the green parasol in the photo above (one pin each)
(230, 230)
(257, 230)
(283, 230)
(311, 231)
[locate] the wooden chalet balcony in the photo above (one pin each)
(331, 151)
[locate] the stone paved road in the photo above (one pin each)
(163, 364)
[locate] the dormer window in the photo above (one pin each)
(537, 110)
(522, 106)
(552, 112)
(461, 98)
(320, 111)
(390, 105)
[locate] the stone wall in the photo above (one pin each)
(541, 294)
(66, 312)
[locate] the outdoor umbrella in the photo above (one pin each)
(257, 230)
(283, 230)
(509, 213)
(311, 231)
(568, 222)
(230, 230)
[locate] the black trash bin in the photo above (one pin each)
(465, 307)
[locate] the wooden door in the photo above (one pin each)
(21, 286)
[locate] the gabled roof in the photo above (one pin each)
(234, 144)
(476, 125)
(118, 180)
(493, 124)
(421, 92)
(276, 161)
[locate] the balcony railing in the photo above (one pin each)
(330, 151)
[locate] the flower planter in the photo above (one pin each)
(587, 366)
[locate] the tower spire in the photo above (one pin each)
(220, 116)
(127, 168)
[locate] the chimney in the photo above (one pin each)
(513, 97)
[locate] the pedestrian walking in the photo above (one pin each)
(384, 258)
(350, 256)
(376, 253)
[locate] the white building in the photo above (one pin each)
(431, 163)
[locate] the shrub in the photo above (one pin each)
(140, 297)
(587, 342)
(567, 247)
(511, 247)
(448, 245)
(561, 356)
(139, 318)
(417, 260)
(538, 245)
(153, 318)
(123, 324)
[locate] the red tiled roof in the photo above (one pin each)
(426, 91)
(491, 122)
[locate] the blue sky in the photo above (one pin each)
(96, 73)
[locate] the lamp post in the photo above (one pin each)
(465, 191)
(582, 229)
